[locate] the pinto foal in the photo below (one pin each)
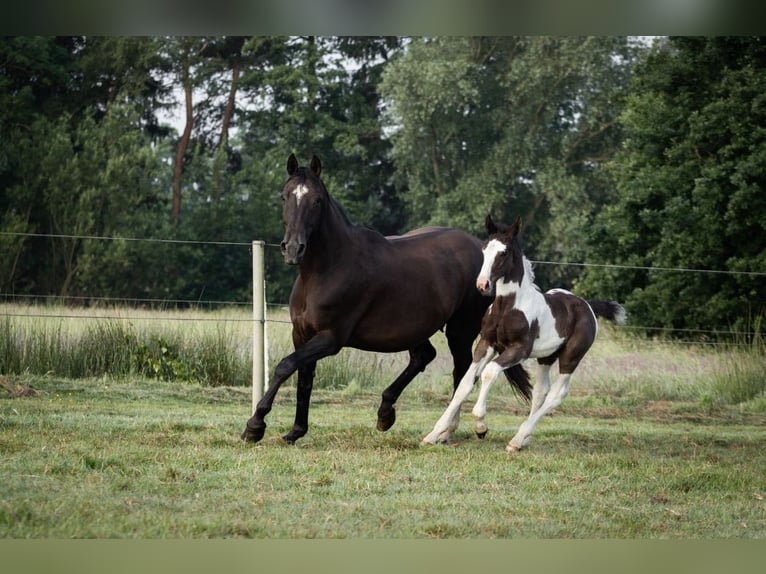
(522, 323)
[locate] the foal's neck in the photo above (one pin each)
(523, 293)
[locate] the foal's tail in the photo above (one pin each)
(610, 310)
(519, 379)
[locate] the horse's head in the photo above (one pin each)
(503, 258)
(302, 198)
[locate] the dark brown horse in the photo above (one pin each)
(357, 288)
(523, 323)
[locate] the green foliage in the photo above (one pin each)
(117, 348)
(657, 164)
(689, 194)
(511, 126)
(160, 359)
(740, 379)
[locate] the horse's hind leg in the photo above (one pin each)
(542, 386)
(460, 341)
(461, 332)
(558, 392)
(420, 356)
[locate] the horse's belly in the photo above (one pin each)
(546, 347)
(387, 338)
(548, 339)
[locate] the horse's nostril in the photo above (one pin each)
(301, 249)
(283, 246)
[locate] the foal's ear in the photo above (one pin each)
(515, 227)
(316, 166)
(489, 225)
(292, 165)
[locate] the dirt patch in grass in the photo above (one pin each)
(13, 389)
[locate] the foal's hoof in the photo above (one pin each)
(252, 435)
(516, 444)
(436, 437)
(386, 419)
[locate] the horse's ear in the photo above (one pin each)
(316, 166)
(292, 165)
(516, 227)
(489, 225)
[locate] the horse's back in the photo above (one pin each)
(432, 230)
(447, 240)
(397, 291)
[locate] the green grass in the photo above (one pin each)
(140, 458)
(656, 440)
(212, 348)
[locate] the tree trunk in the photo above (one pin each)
(183, 144)
(228, 113)
(221, 154)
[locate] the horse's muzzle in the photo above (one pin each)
(292, 251)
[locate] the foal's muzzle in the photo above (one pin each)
(484, 286)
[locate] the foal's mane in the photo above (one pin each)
(516, 243)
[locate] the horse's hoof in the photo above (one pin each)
(481, 434)
(291, 437)
(480, 429)
(387, 420)
(252, 435)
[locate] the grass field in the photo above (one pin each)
(651, 443)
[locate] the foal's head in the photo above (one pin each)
(302, 198)
(503, 258)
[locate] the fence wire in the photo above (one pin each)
(98, 300)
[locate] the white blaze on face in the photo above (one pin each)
(299, 191)
(492, 249)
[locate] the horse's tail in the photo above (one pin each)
(610, 310)
(519, 379)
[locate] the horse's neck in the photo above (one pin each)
(334, 237)
(527, 296)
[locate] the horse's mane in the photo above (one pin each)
(303, 174)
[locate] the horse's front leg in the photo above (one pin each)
(321, 345)
(505, 360)
(448, 422)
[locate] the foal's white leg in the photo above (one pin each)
(541, 388)
(558, 391)
(488, 377)
(448, 422)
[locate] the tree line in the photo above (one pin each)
(614, 151)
